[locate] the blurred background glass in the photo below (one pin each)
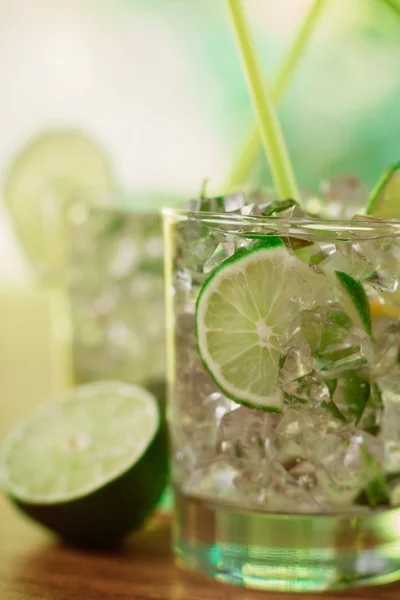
(156, 88)
(115, 288)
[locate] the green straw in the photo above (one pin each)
(394, 5)
(270, 131)
(248, 155)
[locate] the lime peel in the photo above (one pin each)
(90, 465)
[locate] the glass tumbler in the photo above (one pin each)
(115, 287)
(283, 346)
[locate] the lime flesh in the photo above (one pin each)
(244, 313)
(91, 465)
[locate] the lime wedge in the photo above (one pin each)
(90, 466)
(244, 313)
(385, 198)
(52, 170)
(354, 301)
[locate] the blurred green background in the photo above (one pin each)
(157, 85)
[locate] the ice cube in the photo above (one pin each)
(375, 262)
(297, 363)
(197, 404)
(349, 459)
(235, 202)
(309, 390)
(195, 244)
(213, 480)
(344, 347)
(332, 339)
(247, 435)
(305, 474)
(307, 329)
(306, 288)
(181, 290)
(284, 209)
(389, 386)
(248, 209)
(194, 432)
(274, 489)
(359, 265)
(390, 423)
(182, 280)
(336, 261)
(372, 416)
(300, 431)
(336, 327)
(312, 253)
(387, 347)
(223, 251)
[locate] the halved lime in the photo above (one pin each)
(354, 300)
(385, 198)
(52, 170)
(90, 466)
(244, 313)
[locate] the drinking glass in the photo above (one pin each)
(115, 289)
(296, 485)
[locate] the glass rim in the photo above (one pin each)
(338, 228)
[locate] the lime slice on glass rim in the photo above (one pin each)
(354, 300)
(91, 465)
(385, 198)
(244, 312)
(385, 203)
(49, 172)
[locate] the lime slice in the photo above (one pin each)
(90, 466)
(52, 170)
(244, 313)
(385, 198)
(354, 300)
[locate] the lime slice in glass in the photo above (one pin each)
(385, 203)
(91, 465)
(245, 312)
(385, 198)
(52, 170)
(354, 300)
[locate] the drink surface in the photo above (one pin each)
(328, 438)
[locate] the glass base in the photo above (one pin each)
(287, 552)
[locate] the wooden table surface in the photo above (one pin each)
(33, 566)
